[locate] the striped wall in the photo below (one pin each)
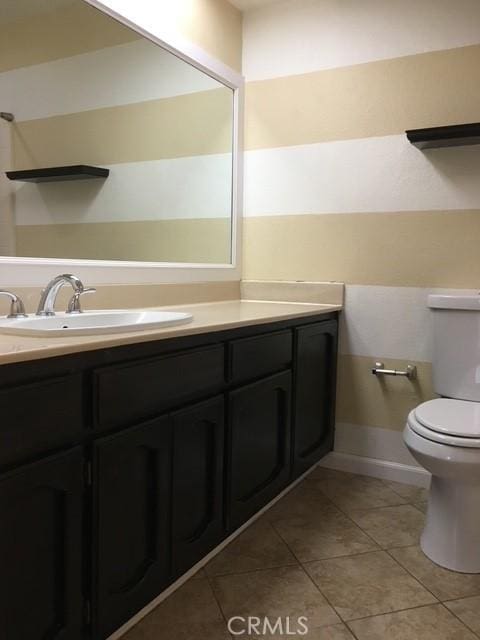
(334, 191)
(163, 128)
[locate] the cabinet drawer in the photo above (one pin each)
(140, 390)
(37, 418)
(251, 358)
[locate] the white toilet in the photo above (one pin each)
(443, 435)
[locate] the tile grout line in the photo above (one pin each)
(212, 589)
(455, 616)
(327, 600)
(247, 571)
(410, 573)
(387, 613)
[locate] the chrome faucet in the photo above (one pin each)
(17, 310)
(46, 306)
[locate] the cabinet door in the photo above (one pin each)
(41, 550)
(197, 489)
(132, 504)
(315, 378)
(259, 417)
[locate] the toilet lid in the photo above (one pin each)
(459, 418)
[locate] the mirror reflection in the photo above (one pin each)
(85, 91)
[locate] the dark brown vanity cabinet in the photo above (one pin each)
(41, 550)
(144, 459)
(315, 382)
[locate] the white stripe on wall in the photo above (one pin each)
(363, 175)
(124, 74)
(193, 187)
(301, 36)
(389, 322)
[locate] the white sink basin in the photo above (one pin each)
(91, 323)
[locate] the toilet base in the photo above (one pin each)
(451, 537)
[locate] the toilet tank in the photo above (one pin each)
(456, 345)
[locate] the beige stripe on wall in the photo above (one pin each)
(362, 398)
(58, 34)
(416, 249)
(373, 99)
(187, 125)
(216, 26)
(192, 240)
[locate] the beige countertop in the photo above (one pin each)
(210, 316)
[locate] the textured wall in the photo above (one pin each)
(334, 191)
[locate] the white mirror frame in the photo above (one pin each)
(37, 271)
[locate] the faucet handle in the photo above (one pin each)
(74, 302)
(17, 310)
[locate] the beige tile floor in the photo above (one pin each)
(339, 549)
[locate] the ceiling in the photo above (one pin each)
(243, 5)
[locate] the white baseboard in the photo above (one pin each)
(383, 469)
(372, 442)
(373, 451)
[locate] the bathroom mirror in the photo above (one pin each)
(85, 91)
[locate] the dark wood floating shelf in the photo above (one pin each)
(455, 135)
(59, 174)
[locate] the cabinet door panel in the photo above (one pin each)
(315, 376)
(132, 476)
(197, 490)
(259, 445)
(41, 550)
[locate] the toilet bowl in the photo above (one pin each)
(443, 435)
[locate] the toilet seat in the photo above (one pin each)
(446, 421)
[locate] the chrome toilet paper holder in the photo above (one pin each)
(410, 373)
